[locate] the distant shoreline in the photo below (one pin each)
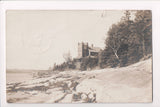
(23, 71)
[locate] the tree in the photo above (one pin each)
(126, 17)
(119, 33)
(143, 22)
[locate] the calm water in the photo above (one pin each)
(14, 77)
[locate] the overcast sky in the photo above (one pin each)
(38, 39)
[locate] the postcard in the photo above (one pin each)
(79, 56)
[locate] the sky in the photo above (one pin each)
(36, 39)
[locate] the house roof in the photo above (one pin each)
(94, 49)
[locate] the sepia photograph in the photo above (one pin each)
(79, 56)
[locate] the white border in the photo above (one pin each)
(84, 5)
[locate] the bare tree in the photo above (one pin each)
(114, 44)
(114, 40)
(67, 56)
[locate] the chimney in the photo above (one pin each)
(92, 45)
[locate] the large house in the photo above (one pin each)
(85, 50)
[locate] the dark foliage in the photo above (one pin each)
(129, 40)
(65, 66)
(88, 63)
